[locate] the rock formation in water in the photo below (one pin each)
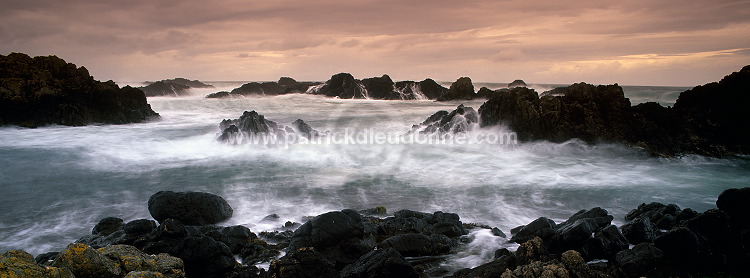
(517, 83)
(344, 85)
(172, 87)
(462, 89)
(251, 127)
(461, 119)
(46, 90)
(285, 85)
(706, 120)
(657, 240)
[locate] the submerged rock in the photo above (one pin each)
(172, 87)
(47, 90)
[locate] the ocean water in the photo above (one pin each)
(57, 182)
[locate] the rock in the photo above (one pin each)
(202, 255)
(462, 89)
(131, 259)
(494, 268)
(734, 202)
(172, 87)
(640, 230)
(251, 127)
(431, 89)
(517, 83)
(541, 227)
(643, 260)
(576, 265)
(303, 262)
(579, 228)
(220, 94)
(380, 263)
(531, 250)
(258, 251)
(380, 88)
(236, 237)
(17, 263)
(462, 119)
(338, 235)
(342, 85)
(605, 244)
(681, 247)
(379, 210)
(83, 261)
(417, 245)
(47, 90)
(144, 274)
(191, 208)
(538, 269)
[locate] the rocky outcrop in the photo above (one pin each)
(517, 83)
(285, 85)
(462, 89)
(190, 208)
(18, 263)
(344, 85)
(47, 90)
(706, 120)
(172, 87)
(251, 126)
(462, 119)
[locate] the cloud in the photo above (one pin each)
(557, 41)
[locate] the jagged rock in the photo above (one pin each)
(462, 89)
(380, 263)
(640, 230)
(221, 94)
(605, 244)
(17, 263)
(251, 126)
(343, 85)
(462, 119)
(495, 268)
(191, 208)
(47, 90)
(380, 88)
(551, 269)
(534, 249)
(83, 261)
(542, 227)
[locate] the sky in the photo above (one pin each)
(630, 42)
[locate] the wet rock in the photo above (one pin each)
(495, 268)
(542, 227)
(517, 83)
(380, 263)
(191, 208)
(640, 230)
(303, 262)
(338, 235)
(416, 245)
(605, 244)
(534, 249)
(642, 260)
(172, 87)
(681, 247)
(462, 119)
(380, 88)
(131, 259)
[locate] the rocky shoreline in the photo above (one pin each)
(186, 240)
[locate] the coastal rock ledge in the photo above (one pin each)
(657, 240)
(47, 90)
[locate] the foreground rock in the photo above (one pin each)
(461, 119)
(47, 90)
(705, 120)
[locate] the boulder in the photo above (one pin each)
(541, 227)
(640, 230)
(380, 263)
(83, 261)
(131, 259)
(17, 263)
(380, 88)
(338, 235)
(47, 90)
(643, 260)
(191, 208)
(734, 202)
(417, 245)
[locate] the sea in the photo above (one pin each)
(57, 182)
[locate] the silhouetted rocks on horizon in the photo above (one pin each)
(172, 87)
(47, 90)
(285, 85)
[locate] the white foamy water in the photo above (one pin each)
(57, 182)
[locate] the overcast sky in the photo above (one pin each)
(646, 42)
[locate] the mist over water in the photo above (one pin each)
(58, 182)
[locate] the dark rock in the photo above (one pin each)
(107, 226)
(431, 89)
(257, 251)
(533, 249)
(45, 258)
(203, 255)
(304, 262)
(517, 83)
(644, 209)
(380, 263)
(643, 260)
(139, 227)
(191, 208)
(237, 237)
(221, 94)
(502, 252)
(498, 232)
(47, 90)
(494, 268)
(379, 210)
(681, 247)
(736, 203)
(380, 88)
(462, 89)
(338, 235)
(342, 85)
(172, 87)
(462, 119)
(541, 227)
(83, 261)
(605, 244)
(417, 245)
(640, 230)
